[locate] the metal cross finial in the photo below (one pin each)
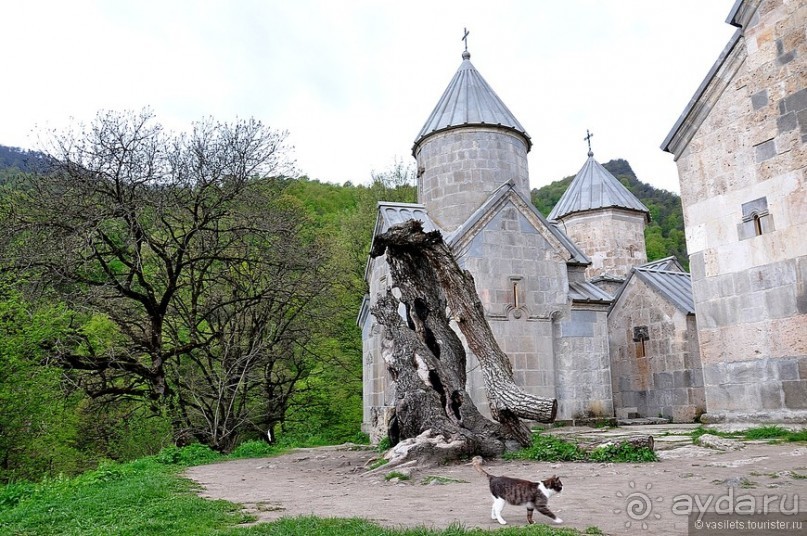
(465, 38)
(588, 137)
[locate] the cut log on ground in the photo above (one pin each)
(426, 357)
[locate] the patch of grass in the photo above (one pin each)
(384, 445)
(548, 448)
(797, 476)
(377, 463)
(144, 497)
(396, 474)
(255, 449)
(766, 432)
(195, 454)
(760, 432)
(623, 453)
(441, 480)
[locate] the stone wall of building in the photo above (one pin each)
(743, 172)
(582, 363)
(662, 375)
(458, 170)
(521, 280)
(612, 238)
(378, 391)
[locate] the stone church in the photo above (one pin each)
(741, 151)
(554, 289)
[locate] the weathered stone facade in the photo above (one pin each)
(742, 161)
(460, 168)
(655, 360)
(613, 238)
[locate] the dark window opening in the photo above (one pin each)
(640, 335)
(756, 221)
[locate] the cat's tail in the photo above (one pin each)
(477, 462)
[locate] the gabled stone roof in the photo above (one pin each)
(390, 214)
(469, 101)
(586, 292)
(672, 283)
(669, 264)
(594, 188)
(575, 254)
(676, 287)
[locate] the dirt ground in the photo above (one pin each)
(616, 498)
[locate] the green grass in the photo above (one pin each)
(396, 474)
(548, 448)
(758, 433)
(150, 497)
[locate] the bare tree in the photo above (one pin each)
(182, 241)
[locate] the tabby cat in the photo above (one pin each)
(518, 492)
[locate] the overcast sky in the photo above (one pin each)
(353, 81)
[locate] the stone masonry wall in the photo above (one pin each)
(744, 191)
(667, 380)
(612, 238)
(508, 256)
(378, 392)
(460, 168)
(582, 364)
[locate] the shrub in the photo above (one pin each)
(196, 454)
(254, 449)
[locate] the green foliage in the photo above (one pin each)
(665, 233)
(378, 463)
(195, 454)
(549, 448)
(396, 474)
(255, 449)
(384, 445)
(758, 432)
(39, 419)
(773, 432)
(622, 453)
(143, 497)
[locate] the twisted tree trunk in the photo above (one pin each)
(427, 360)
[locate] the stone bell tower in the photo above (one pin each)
(470, 145)
(605, 220)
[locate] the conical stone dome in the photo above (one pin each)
(470, 145)
(469, 100)
(594, 187)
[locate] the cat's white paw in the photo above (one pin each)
(502, 521)
(558, 520)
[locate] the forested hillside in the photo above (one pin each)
(665, 233)
(21, 159)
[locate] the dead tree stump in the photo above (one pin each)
(426, 358)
